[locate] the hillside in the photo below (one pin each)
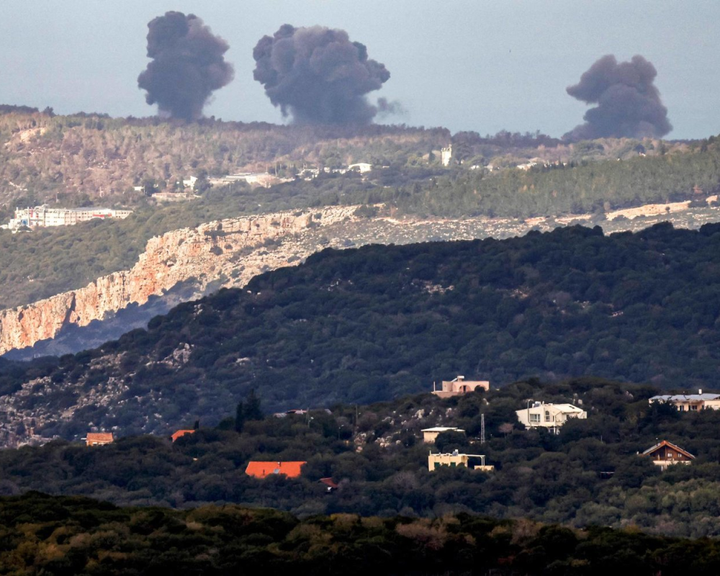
(590, 474)
(82, 536)
(368, 324)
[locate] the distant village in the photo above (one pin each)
(534, 415)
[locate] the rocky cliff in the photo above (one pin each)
(226, 253)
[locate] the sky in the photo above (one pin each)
(463, 64)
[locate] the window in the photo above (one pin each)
(693, 407)
(534, 417)
(547, 416)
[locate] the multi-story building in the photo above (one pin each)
(689, 402)
(666, 454)
(43, 216)
(550, 416)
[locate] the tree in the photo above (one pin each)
(239, 417)
(252, 409)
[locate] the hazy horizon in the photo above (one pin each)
(464, 64)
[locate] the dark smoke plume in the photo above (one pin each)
(628, 103)
(318, 75)
(187, 65)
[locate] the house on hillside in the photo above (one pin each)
(667, 454)
(265, 469)
(455, 460)
(459, 386)
(430, 434)
(689, 402)
(550, 416)
(180, 433)
(98, 438)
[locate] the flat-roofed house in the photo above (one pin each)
(550, 416)
(689, 402)
(666, 454)
(459, 386)
(98, 438)
(265, 469)
(430, 434)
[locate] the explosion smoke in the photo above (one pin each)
(318, 75)
(628, 103)
(187, 65)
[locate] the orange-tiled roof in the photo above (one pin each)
(264, 469)
(99, 438)
(180, 433)
(669, 445)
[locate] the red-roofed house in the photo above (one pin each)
(98, 438)
(181, 433)
(666, 454)
(265, 469)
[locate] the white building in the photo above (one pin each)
(361, 167)
(430, 434)
(689, 402)
(550, 416)
(43, 216)
(446, 155)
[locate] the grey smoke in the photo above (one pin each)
(187, 65)
(318, 75)
(628, 102)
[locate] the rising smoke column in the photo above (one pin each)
(187, 65)
(318, 75)
(628, 103)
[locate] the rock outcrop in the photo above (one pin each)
(227, 253)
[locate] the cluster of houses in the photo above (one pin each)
(544, 415)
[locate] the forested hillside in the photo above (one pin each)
(591, 474)
(89, 157)
(369, 324)
(81, 536)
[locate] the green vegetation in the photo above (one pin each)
(590, 474)
(62, 536)
(378, 322)
(48, 261)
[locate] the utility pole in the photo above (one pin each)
(482, 429)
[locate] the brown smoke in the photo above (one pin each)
(187, 65)
(628, 103)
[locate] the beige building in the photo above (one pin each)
(43, 216)
(459, 386)
(430, 434)
(689, 402)
(455, 459)
(550, 416)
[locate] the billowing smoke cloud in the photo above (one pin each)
(187, 65)
(318, 75)
(628, 103)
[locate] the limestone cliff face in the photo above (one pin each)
(227, 252)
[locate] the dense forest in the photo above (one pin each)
(369, 324)
(589, 474)
(78, 536)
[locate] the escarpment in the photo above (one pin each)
(227, 253)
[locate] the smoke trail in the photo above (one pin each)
(318, 75)
(187, 65)
(628, 103)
